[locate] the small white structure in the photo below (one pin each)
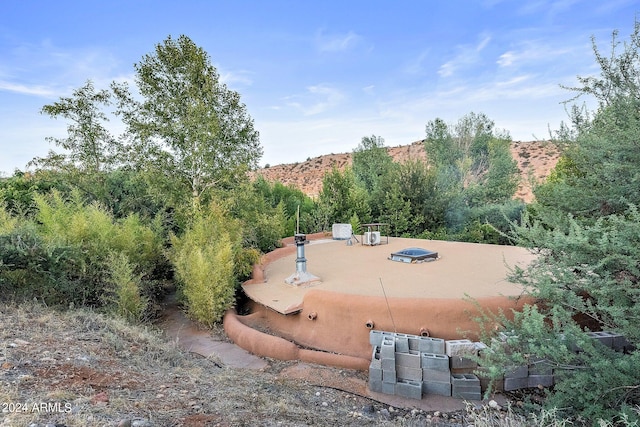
(342, 231)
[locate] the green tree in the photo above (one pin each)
(585, 229)
(370, 161)
(342, 198)
(473, 166)
(189, 126)
(89, 148)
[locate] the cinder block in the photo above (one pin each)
(402, 343)
(375, 358)
(376, 337)
(389, 388)
(435, 361)
(436, 375)
(465, 386)
(480, 347)
(465, 380)
(538, 366)
(457, 362)
(406, 373)
(460, 348)
(507, 336)
(411, 359)
(516, 372)
(540, 380)
(389, 376)
(511, 384)
(605, 338)
(507, 340)
(410, 389)
(387, 348)
(431, 345)
(375, 386)
(414, 343)
(375, 374)
(619, 342)
(467, 395)
(388, 364)
(432, 387)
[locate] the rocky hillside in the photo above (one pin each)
(535, 160)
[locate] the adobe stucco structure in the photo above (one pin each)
(329, 321)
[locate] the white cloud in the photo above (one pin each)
(467, 56)
(37, 90)
(236, 78)
(316, 100)
(415, 66)
(368, 89)
(537, 52)
(506, 59)
(337, 42)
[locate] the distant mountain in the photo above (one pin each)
(535, 161)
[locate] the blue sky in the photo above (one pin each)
(316, 76)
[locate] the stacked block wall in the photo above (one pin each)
(411, 365)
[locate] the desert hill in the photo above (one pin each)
(535, 161)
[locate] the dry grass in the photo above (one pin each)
(80, 368)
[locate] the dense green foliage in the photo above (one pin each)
(64, 255)
(464, 191)
(585, 226)
(108, 221)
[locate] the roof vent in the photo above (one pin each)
(301, 276)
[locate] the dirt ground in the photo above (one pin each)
(80, 368)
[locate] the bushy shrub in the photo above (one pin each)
(203, 258)
(31, 268)
(125, 295)
(66, 255)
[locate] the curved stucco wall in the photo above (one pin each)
(340, 323)
(266, 345)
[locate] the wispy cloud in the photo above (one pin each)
(337, 42)
(236, 78)
(316, 100)
(416, 65)
(467, 55)
(37, 90)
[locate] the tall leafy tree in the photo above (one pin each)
(341, 198)
(600, 169)
(189, 125)
(89, 149)
(88, 146)
(371, 161)
(472, 163)
(586, 231)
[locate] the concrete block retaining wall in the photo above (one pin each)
(410, 366)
